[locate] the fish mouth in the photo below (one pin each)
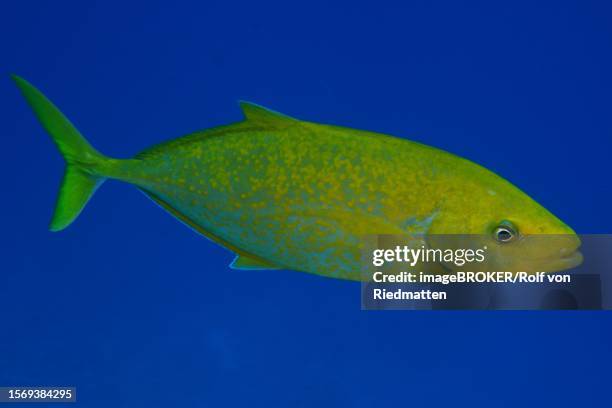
(569, 255)
(561, 253)
(572, 259)
(569, 260)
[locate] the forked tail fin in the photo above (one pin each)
(80, 180)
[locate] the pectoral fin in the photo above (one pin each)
(244, 262)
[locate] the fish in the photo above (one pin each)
(283, 193)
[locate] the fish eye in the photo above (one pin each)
(504, 233)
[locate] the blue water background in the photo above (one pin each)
(136, 310)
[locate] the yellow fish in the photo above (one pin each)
(283, 193)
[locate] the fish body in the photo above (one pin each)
(289, 194)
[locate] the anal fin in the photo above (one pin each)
(245, 262)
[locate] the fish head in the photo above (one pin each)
(522, 235)
(511, 247)
(517, 232)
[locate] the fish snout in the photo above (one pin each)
(569, 255)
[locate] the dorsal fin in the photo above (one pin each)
(256, 113)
